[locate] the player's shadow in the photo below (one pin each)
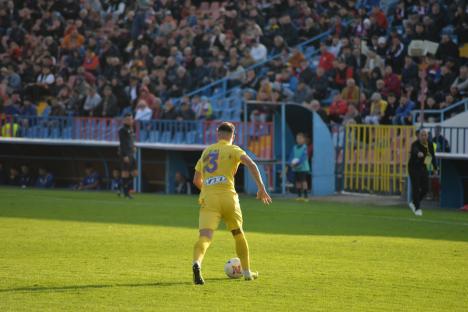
(71, 288)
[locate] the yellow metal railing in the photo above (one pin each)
(376, 158)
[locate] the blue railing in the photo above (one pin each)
(256, 135)
(441, 113)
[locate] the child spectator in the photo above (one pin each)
(300, 165)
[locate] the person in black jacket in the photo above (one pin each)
(126, 153)
(422, 157)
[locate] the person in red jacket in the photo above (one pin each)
(380, 17)
(392, 82)
(337, 109)
(326, 58)
(91, 61)
(341, 73)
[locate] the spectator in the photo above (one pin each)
(326, 58)
(202, 108)
(109, 106)
(91, 61)
(303, 94)
(170, 112)
(13, 177)
(352, 116)
(441, 142)
(403, 112)
(10, 129)
(396, 54)
(25, 179)
(373, 61)
(461, 82)
(13, 80)
(351, 92)
(28, 109)
(320, 85)
(258, 52)
(143, 112)
(157, 109)
(45, 179)
(410, 72)
(186, 112)
(92, 102)
(337, 109)
(447, 49)
(390, 110)
(314, 106)
(377, 110)
(340, 74)
(306, 74)
(392, 82)
(73, 40)
(182, 185)
(91, 181)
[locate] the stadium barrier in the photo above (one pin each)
(376, 157)
(256, 136)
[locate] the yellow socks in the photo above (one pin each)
(242, 250)
(200, 248)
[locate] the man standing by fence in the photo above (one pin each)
(126, 153)
(421, 158)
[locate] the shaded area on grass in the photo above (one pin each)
(37, 288)
(283, 217)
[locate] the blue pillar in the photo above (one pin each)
(323, 160)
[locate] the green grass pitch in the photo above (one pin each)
(68, 251)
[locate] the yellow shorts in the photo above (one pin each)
(216, 207)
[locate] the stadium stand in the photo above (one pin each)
(197, 60)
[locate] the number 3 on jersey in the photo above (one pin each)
(211, 162)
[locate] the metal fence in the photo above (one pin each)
(373, 159)
(256, 136)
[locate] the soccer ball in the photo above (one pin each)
(233, 268)
(295, 161)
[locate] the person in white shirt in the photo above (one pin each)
(258, 52)
(45, 78)
(92, 102)
(41, 87)
(143, 112)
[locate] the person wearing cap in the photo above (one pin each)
(126, 153)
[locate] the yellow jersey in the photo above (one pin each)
(218, 165)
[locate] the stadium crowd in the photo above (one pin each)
(103, 58)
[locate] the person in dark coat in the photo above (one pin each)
(422, 159)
